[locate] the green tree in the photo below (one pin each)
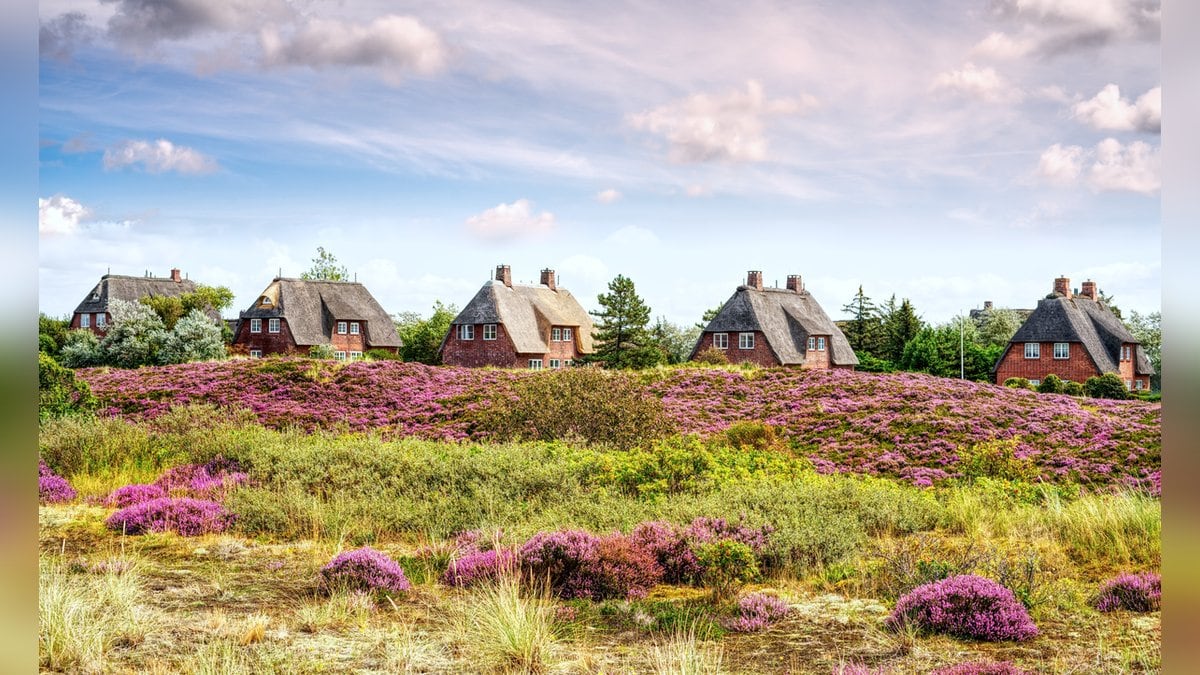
(900, 325)
(423, 337)
(59, 392)
(1108, 385)
(325, 267)
(82, 350)
(52, 334)
(674, 341)
(863, 327)
(135, 336)
(998, 326)
(1146, 329)
(622, 339)
(193, 338)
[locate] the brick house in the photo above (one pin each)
(93, 312)
(292, 315)
(776, 327)
(1074, 336)
(517, 326)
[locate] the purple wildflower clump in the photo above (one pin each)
(364, 569)
(622, 569)
(183, 515)
(477, 566)
(980, 668)
(54, 489)
(709, 530)
(211, 480)
(128, 495)
(564, 559)
(964, 606)
(857, 669)
(756, 612)
(667, 543)
(1133, 592)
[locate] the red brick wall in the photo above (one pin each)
(479, 352)
(761, 354)
(349, 343)
(818, 358)
(270, 343)
(1078, 368)
(562, 350)
(92, 321)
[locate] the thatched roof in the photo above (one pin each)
(131, 289)
(1086, 321)
(527, 313)
(786, 318)
(312, 308)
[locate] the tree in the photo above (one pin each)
(674, 341)
(82, 350)
(135, 336)
(862, 329)
(899, 326)
(325, 267)
(59, 392)
(194, 338)
(622, 339)
(1108, 385)
(998, 326)
(1109, 300)
(52, 334)
(422, 337)
(1146, 329)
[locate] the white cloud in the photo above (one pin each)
(1108, 111)
(705, 127)
(1053, 27)
(158, 156)
(632, 237)
(608, 196)
(1114, 166)
(60, 215)
(511, 221)
(971, 81)
(395, 44)
(1001, 46)
(1061, 165)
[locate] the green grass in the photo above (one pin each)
(508, 628)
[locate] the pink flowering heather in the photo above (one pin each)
(564, 560)
(364, 569)
(211, 480)
(980, 668)
(708, 530)
(184, 515)
(667, 544)
(857, 669)
(622, 569)
(757, 611)
(1133, 592)
(128, 495)
(965, 606)
(53, 489)
(477, 566)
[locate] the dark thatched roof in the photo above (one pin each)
(312, 308)
(527, 313)
(1086, 321)
(786, 318)
(131, 289)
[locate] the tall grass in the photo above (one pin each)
(1121, 528)
(83, 616)
(506, 630)
(680, 653)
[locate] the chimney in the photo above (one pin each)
(795, 284)
(754, 279)
(1089, 290)
(549, 278)
(175, 275)
(504, 274)
(987, 305)
(1062, 286)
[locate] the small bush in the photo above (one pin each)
(59, 393)
(669, 546)
(320, 352)
(137, 493)
(211, 480)
(622, 569)
(1132, 592)
(54, 489)
(563, 560)
(980, 668)
(1108, 385)
(1073, 388)
(1051, 384)
(1017, 383)
(711, 356)
(752, 435)
(382, 355)
(757, 611)
(997, 459)
(185, 516)
(364, 569)
(478, 566)
(704, 530)
(964, 606)
(727, 565)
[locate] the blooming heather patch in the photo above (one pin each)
(757, 611)
(980, 668)
(669, 546)
(622, 569)
(364, 569)
(1133, 592)
(563, 559)
(477, 566)
(211, 480)
(964, 606)
(184, 515)
(128, 495)
(53, 489)
(705, 530)
(906, 425)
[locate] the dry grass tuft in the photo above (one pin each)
(682, 654)
(504, 630)
(255, 629)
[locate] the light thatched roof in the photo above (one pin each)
(786, 318)
(527, 313)
(131, 289)
(1086, 321)
(313, 307)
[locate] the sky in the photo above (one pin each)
(946, 152)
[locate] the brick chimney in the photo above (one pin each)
(549, 278)
(504, 274)
(1062, 286)
(987, 305)
(754, 279)
(795, 284)
(175, 275)
(1089, 290)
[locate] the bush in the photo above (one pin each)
(211, 480)
(59, 393)
(727, 565)
(872, 364)
(964, 606)
(980, 668)
(81, 350)
(1108, 385)
(477, 566)
(1133, 592)
(564, 560)
(185, 516)
(669, 546)
(757, 611)
(54, 489)
(1017, 383)
(623, 569)
(320, 352)
(752, 435)
(711, 356)
(1051, 384)
(129, 495)
(378, 354)
(1072, 388)
(364, 569)
(997, 459)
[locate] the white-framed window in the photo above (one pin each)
(535, 364)
(1033, 350)
(555, 363)
(556, 335)
(272, 325)
(101, 320)
(1126, 352)
(566, 335)
(745, 340)
(466, 332)
(255, 325)
(721, 340)
(489, 331)
(820, 344)
(354, 328)
(1138, 384)
(1062, 350)
(1034, 383)
(812, 344)
(567, 363)
(85, 320)
(1129, 384)
(340, 356)
(355, 355)
(341, 328)
(256, 353)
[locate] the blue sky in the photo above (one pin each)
(949, 152)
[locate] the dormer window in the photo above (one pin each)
(341, 327)
(354, 328)
(95, 296)
(264, 300)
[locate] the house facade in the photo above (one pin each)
(93, 314)
(776, 327)
(291, 316)
(509, 325)
(1074, 336)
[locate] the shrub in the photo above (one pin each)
(53, 489)
(1133, 592)
(563, 560)
(711, 356)
(1072, 388)
(137, 493)
(964, 606)
(997, 459)
(1017, 383)
(1108, 385)
(752, 435)
(186, 516)
(980, 668)
(622, 569)
(382, 355)
(727, 565)
(757, 611)
(477, 566)
(704, 530)
(320, 352)
(364, 569)
(669, 547)
(1051, 384)
(59, 393)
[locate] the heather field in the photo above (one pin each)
(291, 515)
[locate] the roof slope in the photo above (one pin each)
(1089, 322)
(527, 313)
(131, 289)
(311, 308)
(786, 318)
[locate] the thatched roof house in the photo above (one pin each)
(93, 314)
(776, 327)
(513, 325)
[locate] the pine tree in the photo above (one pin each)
(900, 326)
(622, 338)
(862, 330)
